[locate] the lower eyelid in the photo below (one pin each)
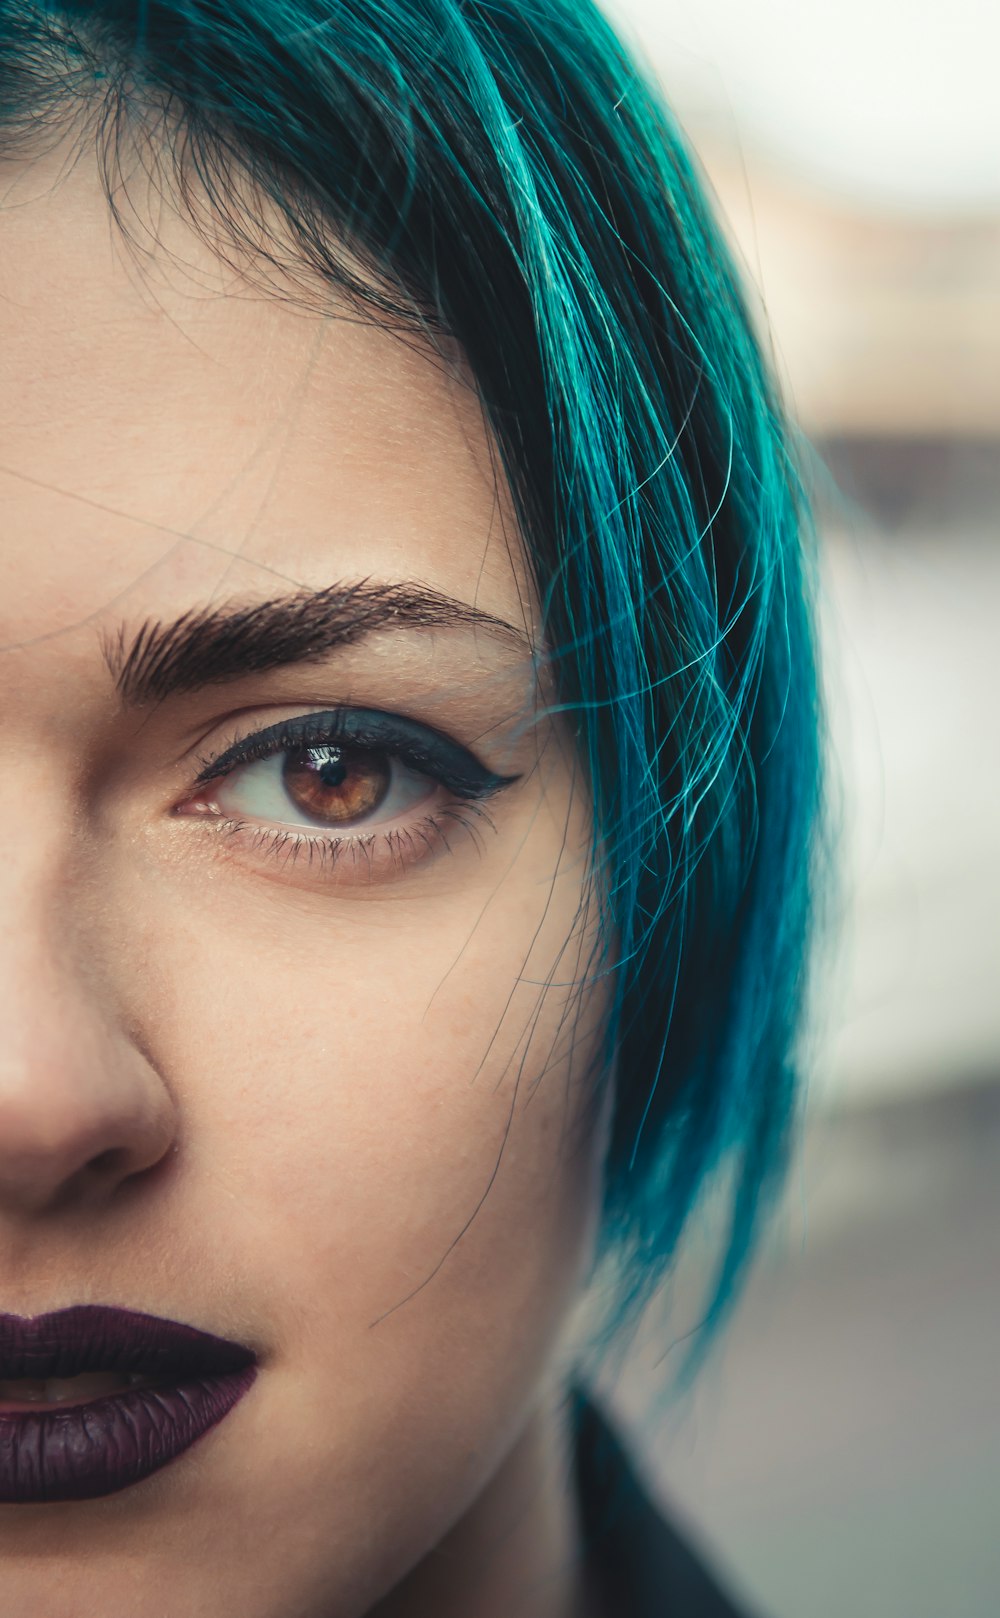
(309, 857)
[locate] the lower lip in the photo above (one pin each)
(81, 1452)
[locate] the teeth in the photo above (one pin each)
(67, 1389)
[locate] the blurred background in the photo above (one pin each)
(841, 1454)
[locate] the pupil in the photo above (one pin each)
(333, 773)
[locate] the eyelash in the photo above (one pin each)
(420, 748)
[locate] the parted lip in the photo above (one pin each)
(181, 1383)
(96, 1337)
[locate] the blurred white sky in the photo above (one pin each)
(893, 101)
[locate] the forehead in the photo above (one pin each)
(172, 431)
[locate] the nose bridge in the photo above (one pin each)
(81, 1106)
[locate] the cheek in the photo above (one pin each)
(387, 1091)
(383, 1079)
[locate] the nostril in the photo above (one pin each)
(119, 1167)
(107, 1160)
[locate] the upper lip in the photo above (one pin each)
(95, 1337)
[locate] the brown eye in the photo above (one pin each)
(334, 784)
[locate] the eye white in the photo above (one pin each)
(257, 791)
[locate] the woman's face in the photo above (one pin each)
(314, 1098)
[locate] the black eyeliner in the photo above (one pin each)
(424, 749)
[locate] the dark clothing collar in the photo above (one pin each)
(644, 1568)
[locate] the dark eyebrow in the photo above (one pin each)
(211, 645)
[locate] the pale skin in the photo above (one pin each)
(261, 1095)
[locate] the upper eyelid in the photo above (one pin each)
(403, 737)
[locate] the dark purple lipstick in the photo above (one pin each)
(161, 1386)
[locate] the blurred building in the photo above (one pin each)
(886, 330)
(856, 164)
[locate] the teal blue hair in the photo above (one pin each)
(505, 173)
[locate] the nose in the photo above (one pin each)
(82, 1108)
